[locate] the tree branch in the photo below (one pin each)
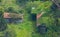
(39, 15)
(56, 2)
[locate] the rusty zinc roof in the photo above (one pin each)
(12, 15)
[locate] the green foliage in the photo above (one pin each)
(28, 7)
(41, 6)
(26, 28)
(21, 30)
(3, 25)
(2, 8)
(10, 33)
(21, 2)
(6, 4)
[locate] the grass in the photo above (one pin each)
(25, 29)
(21, 30)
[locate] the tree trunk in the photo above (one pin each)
(39, 16)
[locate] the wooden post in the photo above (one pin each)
(39, 16)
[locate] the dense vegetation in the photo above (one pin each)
(29, 8)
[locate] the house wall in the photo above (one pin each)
(11, 20)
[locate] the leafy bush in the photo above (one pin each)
(3, 24)
(41, 6)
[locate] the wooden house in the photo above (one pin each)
(13, 17)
